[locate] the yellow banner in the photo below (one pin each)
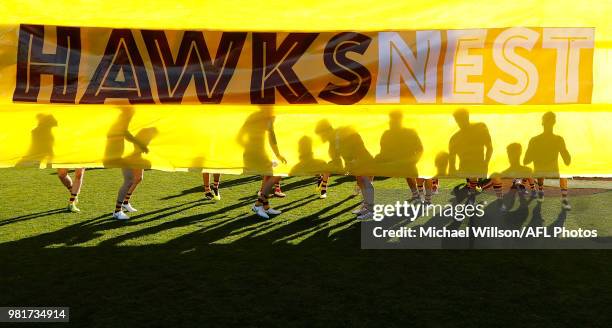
(441, 97)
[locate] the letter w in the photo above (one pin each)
(211, 77)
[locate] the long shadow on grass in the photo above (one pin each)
(88, 230)
(560, 221)
(31, 216)
(219, 226)
(171, 224)
(224, 184)
(326, 281)
(298, 228)
(285, 187)
(512, 219)
(298, 184)
(336, 181)
(264, 277)
(244, 224)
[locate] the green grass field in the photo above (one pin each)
(182, 261)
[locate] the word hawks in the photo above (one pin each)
(475, 66)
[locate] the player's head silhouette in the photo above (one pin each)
(548, 121)
(324, 130)
(514, 151)
(462, 117)
(305, 148)
(395, 119)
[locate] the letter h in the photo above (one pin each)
(63, 65)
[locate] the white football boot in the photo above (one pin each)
(120, 216)
(128, 208)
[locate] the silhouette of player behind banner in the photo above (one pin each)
(308, 165)
(42, 142)
(544, 151)
(472, 145)
(400, 150)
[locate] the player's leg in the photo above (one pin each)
(497, 187)
(356, 189)
(421, 187)
(428, 191)
(540, 189)
(264, 180)
(138, 175)
(518, 184)
(367, 191)
(208, 194)
(79, 174)
(262, 205)
(358, 186)
(499, 192)
(215, 187)
(64, 178)
(277, 189)
(128, 180)
(563, 185)
(412, 184)
(531, 183)
(523, 186)
(75, 190)
(472, 185)
(435, 186)
(322, 185)
(485, 184)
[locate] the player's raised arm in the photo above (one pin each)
(565, 155)
(130, 137)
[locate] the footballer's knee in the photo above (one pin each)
(62, 173)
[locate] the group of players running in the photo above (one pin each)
(400, 147)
